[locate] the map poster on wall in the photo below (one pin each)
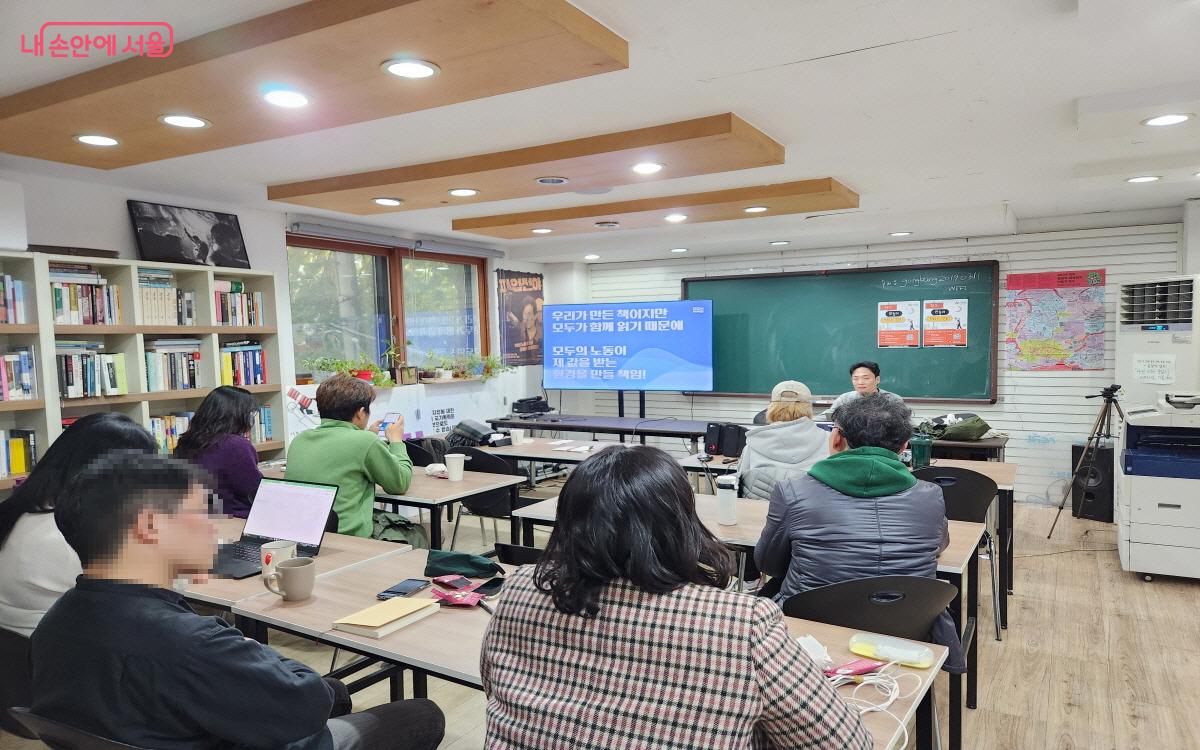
(898, 324)
(944, 323)
(1055, 320)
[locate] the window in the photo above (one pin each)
(352, 301)
(340, 305)
(441, 309)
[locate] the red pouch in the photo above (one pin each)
(457, 598)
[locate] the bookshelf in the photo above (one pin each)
(134, 333)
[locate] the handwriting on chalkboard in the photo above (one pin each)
(931, 279)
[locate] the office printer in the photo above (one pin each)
(1157, 509)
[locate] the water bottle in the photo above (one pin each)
(727, 500)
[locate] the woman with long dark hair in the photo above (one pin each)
(218, 439)
(624, 635)
(36, 564)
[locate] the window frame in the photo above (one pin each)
(396, 255)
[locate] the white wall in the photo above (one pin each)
(84, 214)
(1043, 412)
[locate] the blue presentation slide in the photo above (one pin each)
(630, 346)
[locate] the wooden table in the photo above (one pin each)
(543, 450)
(990, 449)
(448, 645)
(435, 494)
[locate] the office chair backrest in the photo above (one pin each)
(15, 679)
(418, 454)
(761, 417)
(902, 606)
(968, 493)
(59, 736)
(515, 554)
(494, 504)
(331, 523)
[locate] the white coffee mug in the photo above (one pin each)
(517, 435)
(727, 500)
(273, 553)
(455, 463)
(292, 579)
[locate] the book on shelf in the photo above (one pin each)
(85, 370)
(387, 617)
(163, 302)
(18, 452)
(243, 363)
(81, 296)
(18, 375)
(168, 428)
(261, 427)
(12, 301)
(234, 306)
(172, 364)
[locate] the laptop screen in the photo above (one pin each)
(296, 511)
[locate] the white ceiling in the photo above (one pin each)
(938, 112)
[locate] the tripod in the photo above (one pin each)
(1101, 430)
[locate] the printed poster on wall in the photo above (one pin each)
(899, 324)
(944, 323)
(520, 301)
(1055, 320)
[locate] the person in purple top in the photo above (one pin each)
(217, 439)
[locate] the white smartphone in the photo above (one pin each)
(388, 420)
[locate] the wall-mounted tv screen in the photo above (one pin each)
(629, 346)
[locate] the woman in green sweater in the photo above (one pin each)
(344, 451)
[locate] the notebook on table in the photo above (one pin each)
(386, 617)
(282, 510)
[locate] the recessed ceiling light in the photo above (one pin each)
(679, 249)
(591, 257)
(675, 218)
(92, 139)
(464, 192)
(1143, 178)
(777, 243)
(608, 224)
(542, 230)
(552, 180)
(287, 98)
(388, 201)
(900, 234)
(410, 68)
(1164, 120)
(647, 167)
(755, 209)
(184, 121)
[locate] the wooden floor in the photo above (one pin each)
(1094, 658)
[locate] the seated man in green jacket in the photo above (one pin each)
(340, 451)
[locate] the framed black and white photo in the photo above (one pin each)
(173, 234)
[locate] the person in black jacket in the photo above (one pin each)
(123, 656)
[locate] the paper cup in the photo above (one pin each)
(273, 553)
(455, 463)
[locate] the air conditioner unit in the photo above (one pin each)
(1157, 348)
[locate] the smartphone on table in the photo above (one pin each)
(490, 588)
(407, 587)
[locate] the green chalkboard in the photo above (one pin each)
(811, 326)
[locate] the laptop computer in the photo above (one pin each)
(282, 510)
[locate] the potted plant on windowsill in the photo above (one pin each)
(362, 368)
(400, 370)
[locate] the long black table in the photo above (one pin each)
(633, 426)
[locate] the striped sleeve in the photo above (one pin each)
(799, 707)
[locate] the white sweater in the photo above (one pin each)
(36, 567)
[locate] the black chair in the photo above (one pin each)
(515, 554)
(418, 454)
(761, 417)
(62, 737)
(968, 496)
(331, 523)
(15, 679)
(901, 606)
(494, 504)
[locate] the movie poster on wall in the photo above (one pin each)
(899, 324)
(520, 301)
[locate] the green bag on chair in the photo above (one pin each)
(393, 527)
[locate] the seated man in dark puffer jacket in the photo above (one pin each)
(859, 513)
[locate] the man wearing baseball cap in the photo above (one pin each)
(786, 446)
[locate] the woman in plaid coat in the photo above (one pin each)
(624, 635)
